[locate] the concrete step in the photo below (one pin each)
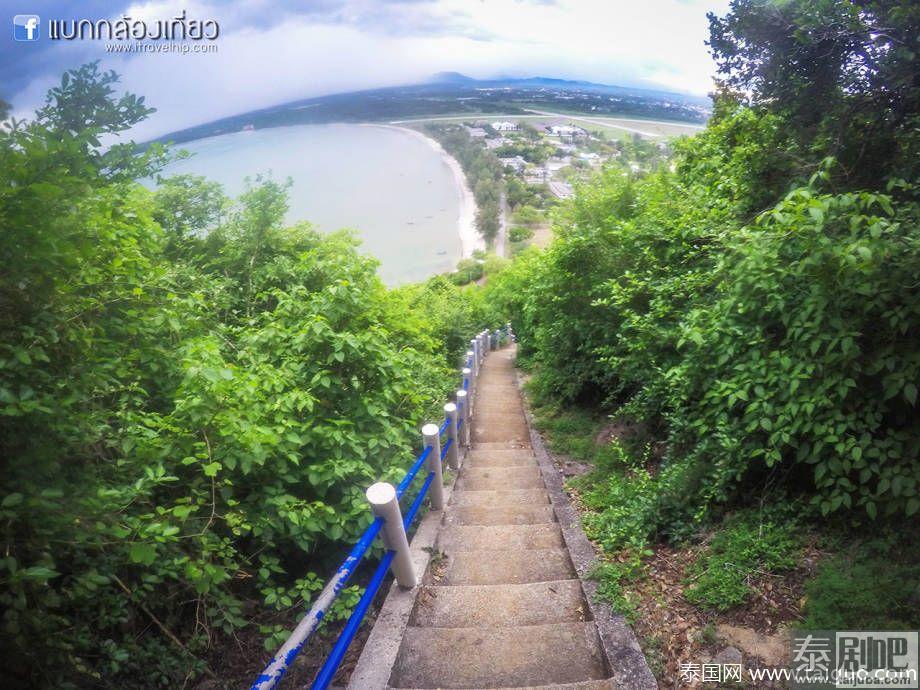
(501, 567)
(483, 537)
(531, 471)
(470, 482)
(502, 445)
(545, 655)
(507, 406)
(510, 497)
(510, 457)
(500, 515)
(482, 606)
(584, 685)
(510, 435)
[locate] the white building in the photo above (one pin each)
(476, 132)
(516, 163)
(567, 131)
(504, 126)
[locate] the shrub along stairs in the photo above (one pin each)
(500, 605)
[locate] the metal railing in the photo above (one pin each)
(384, 502)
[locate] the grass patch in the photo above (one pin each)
(613, 584)
(571, 431)
(873, 586)
(744, 549)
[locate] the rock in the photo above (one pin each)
(772, 649)
(729, 655)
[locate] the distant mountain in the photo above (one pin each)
(457, 78)
(450, 78)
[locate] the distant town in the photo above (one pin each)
(520, 167)
(451, 95)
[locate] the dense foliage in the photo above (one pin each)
(192, 398)
(483, 171)
(755, 308)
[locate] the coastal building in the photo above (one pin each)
(516, 163)
(562, 190)
(567, 131)
(538, 175)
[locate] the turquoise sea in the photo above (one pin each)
(390, 186)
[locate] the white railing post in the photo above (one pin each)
(463, 413)
(469, 385)
(431, 436)
(474, 346)
(453, 452)
(382, 497)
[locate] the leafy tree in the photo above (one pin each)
(191, 397)
(841, 74)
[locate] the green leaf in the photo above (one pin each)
(142, 552)
(11, 500)
(37, 572)
(910, 392)
(211, 469)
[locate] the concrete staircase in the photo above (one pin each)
(500, 605)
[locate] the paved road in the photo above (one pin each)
(542, 114)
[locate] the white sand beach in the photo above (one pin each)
(470, 239)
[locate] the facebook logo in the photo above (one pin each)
(25, 27)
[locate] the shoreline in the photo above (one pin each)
(470, 239)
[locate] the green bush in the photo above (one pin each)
(754, 306)
(188, 413)
(520, 234)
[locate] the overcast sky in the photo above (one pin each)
(273, 51)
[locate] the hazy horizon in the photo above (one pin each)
(268, 54)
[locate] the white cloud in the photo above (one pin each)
(269, 55)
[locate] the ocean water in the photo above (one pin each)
(391, 187)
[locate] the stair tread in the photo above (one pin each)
(581, 685)
(528, 471)
(494, 497)
(484, 537)
(533, 655)
(500, 515)
(503, 445)
(495, 567)
(532, 603)
(474, 483)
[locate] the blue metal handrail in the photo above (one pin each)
(410, 475)
(279, 664)
(334, 660)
